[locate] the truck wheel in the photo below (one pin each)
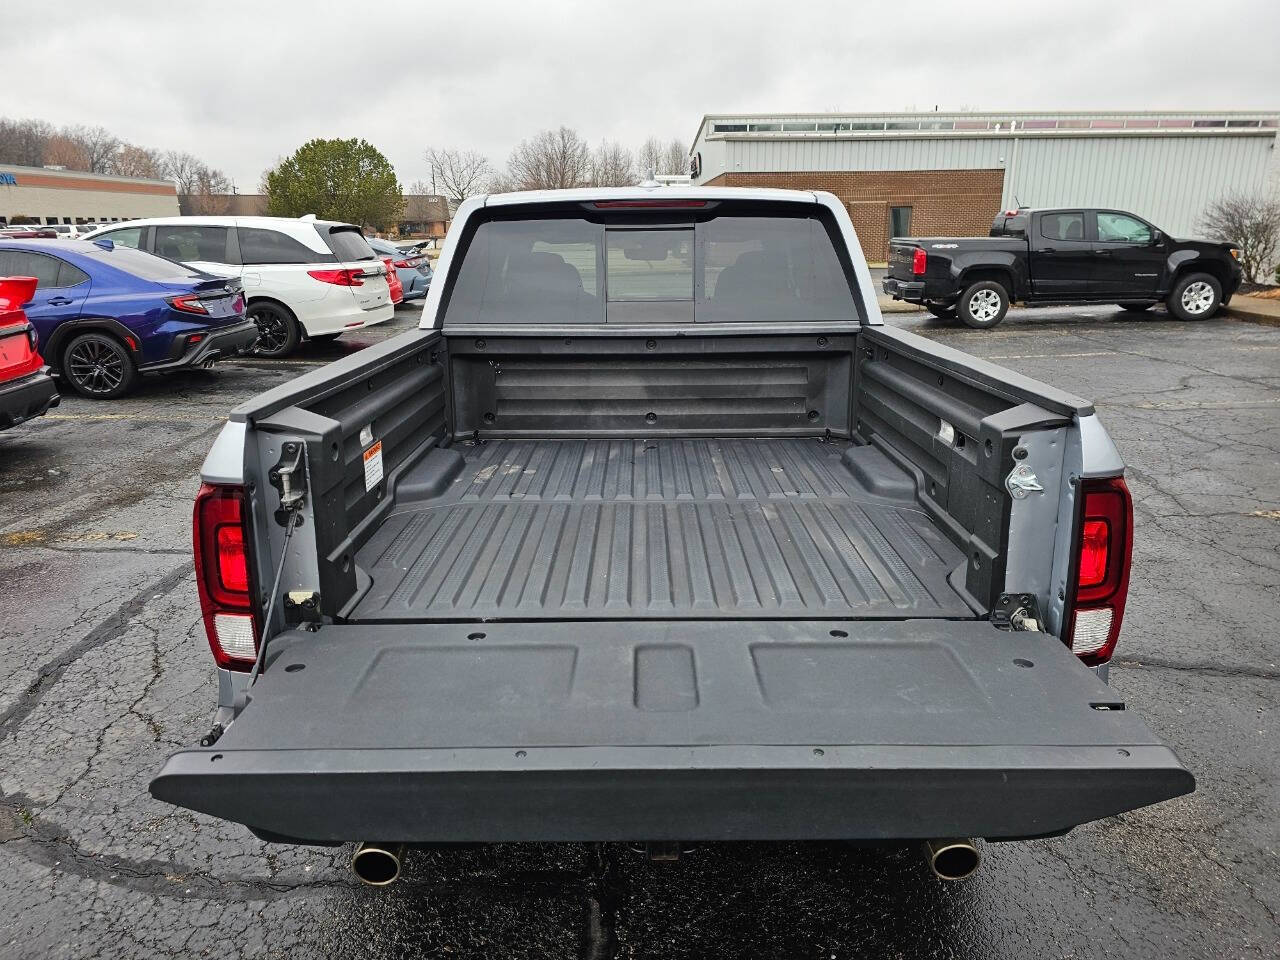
(983, 304)
(1195, 297)
(278, 332)
(1136, 307)
(98, 366)
(943, 311)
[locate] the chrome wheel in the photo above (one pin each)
(1198, 298)
(984, 306)
(96, 366)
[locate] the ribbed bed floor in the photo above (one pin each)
(657, 529)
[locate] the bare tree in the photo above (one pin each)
(457, 174)
(665, 157)
(22, 142)
(212, 193)
(551, 160)
(1251, 223)
(501, 182)
(183, 169)
(100, 146)
(63, 151)
(132, 161)
(612, 166)
(675, 159)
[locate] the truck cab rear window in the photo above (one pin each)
(728, 269)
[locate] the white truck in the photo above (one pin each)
(654, 532)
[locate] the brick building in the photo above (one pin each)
(48, 195)
(929, 173)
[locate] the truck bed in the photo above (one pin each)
(659, 529)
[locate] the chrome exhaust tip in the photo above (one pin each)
(378, 864)
(952, 859)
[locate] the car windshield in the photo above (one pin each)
(142, 264)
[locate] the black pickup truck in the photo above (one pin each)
(1062, 256)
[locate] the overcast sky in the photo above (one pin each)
(241, 84)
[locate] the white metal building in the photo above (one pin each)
(940, 173)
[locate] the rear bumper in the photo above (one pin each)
(215, 344)
(912, 291)
(30, 396)
(347, 319)
(670, 793)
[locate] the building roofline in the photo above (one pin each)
(17, 168)
(988, 115)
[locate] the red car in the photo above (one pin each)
(393, 280)
(26, 389)
(28, 233)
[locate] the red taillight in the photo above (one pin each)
(350, 277)
(1103, 556)
(919, 260)
(188, 303)
(221, 545)
(407, 264)
(1094, 549)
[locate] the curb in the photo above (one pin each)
(1251, 314)
(899, 306)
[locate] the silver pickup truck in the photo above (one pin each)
(654, 532)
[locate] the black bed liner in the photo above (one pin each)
(659, 528)
(730, 729)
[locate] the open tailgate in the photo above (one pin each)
(674, 731)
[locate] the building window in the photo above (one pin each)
(899, 221)
(729, 128)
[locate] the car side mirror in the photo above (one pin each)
(1156, 237)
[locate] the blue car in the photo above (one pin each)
(413, 269)
(106, 313)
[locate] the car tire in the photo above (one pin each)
(943, 311)
(278, 330)
(1197, 296)
(983, 304)
(1135, 307)
(98, 366)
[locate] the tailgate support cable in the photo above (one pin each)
(290, 516)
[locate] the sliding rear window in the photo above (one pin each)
(584, 268)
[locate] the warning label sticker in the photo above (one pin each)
(373, 466)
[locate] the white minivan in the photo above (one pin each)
(303, 278)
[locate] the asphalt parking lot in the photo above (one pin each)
(104, 670)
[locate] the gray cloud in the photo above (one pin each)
(241, 84)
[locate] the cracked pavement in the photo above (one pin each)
(104, 671)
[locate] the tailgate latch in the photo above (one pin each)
(1017, 611)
